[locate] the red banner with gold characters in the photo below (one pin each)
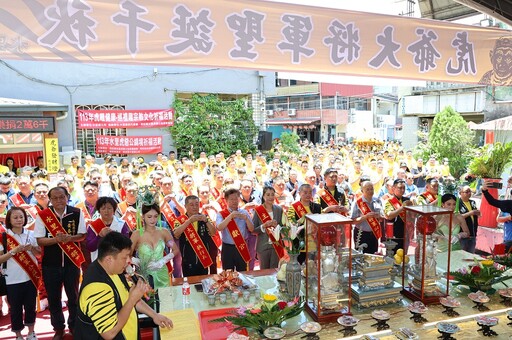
(110, 119)
(129, 217)
(128, 144)
(374, 224)
(327, 197)
(54, 227)
(26, 262)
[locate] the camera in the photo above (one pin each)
(495, 185)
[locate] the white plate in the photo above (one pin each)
(311, 327)
(274, 333)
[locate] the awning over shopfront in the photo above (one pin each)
(299, 123)
(501, 124)
(11, 105)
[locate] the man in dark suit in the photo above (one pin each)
(59, 229)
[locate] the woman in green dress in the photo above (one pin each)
(459, 226)
(150, 244)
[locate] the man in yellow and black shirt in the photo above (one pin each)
(107, 304)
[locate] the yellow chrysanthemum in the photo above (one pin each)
(269, 298)
(487, 263)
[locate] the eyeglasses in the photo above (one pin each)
(90, 190)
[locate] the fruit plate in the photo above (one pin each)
(248, 283)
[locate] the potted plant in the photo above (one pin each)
(489, 165)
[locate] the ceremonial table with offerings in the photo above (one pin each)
(171, 302)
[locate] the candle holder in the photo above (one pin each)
(349, 323)
(382, 318)
(485, 323)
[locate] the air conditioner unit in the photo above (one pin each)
(292, 112)
(269, 112)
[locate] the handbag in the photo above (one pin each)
(3, 283)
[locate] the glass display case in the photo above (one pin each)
(430, 229)
(328, 269)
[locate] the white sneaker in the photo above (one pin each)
(32, 336)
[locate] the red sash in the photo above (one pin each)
(54, 226)
(264, 217)
(327, 197)
(122, 193)
(373, 222)
(429, 196)
(17, 200)
(216, 237)
(97, 225)
(82, 207)
(169, 215)
(197, 245)
(300, 209)
(26, 262)
(223, 204)
(128, 217)
(239, 240)
(397, 204)
(215, 192)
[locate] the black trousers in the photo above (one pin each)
(22, 296)
(54, 278)
(231, 258)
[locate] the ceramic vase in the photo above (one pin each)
(293, 276)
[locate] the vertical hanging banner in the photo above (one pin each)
(128, 145)
(111, 119)
(252, 34)
(51, 153)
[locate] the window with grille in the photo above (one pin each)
(86, 138)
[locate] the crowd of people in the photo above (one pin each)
(179, 217)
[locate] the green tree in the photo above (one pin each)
(449, 138)
(206, 123)
(290, 143)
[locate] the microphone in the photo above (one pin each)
(131, 272)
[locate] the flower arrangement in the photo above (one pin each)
(270, 312)
(291, 236)
(481, 276)
(504, 260)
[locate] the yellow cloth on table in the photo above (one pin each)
(183, 328)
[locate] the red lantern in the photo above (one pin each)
(426, 225)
